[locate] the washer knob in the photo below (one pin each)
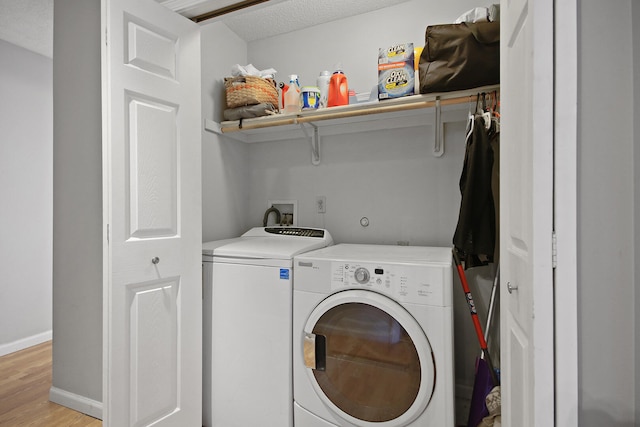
(362, 275)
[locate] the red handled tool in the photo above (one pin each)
(474, 317)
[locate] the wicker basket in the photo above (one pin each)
(250, 90)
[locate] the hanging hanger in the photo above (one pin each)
(472, 117)
(495, 114)
(486, 115)
(478, 105)
(496, 105)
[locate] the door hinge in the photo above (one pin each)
(554, 250)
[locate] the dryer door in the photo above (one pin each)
(368, 359)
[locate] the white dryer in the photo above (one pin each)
(251, 322)
(373, 337)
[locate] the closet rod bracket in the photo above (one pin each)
(438, 130)
(315, 143)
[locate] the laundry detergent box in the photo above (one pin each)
(396, 72)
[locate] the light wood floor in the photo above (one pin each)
(25, 379)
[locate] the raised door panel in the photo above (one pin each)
(153, 350)
(152, 170)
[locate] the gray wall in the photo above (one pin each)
(26, 146)
(606, 248)
(388, 176)
(77, 207)
(225, 172)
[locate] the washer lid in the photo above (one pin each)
(275, 243)
(209, 247)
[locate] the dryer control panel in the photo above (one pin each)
(420, 284)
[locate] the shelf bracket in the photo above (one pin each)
(315, 143)
(438, 131)
(212, 126)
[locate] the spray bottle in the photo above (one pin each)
(283, 90)
(292, 96)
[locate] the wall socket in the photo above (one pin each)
(321, 204)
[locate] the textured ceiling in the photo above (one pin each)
(291, 15)
(29, 23)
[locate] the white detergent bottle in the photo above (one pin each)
(292, 96)
(323, 84)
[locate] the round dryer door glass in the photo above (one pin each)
(372, 370)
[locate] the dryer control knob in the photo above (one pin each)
(362, 275)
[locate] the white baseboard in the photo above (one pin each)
(76, 402)
(23, 343)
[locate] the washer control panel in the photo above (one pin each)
(408, 283)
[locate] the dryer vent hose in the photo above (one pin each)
(266, 216)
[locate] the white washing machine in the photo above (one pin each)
(251, 294)
(207, 331)
(373, 337)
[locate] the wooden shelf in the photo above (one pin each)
(409, 111)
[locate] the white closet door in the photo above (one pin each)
(152, 143)
(526, 191)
